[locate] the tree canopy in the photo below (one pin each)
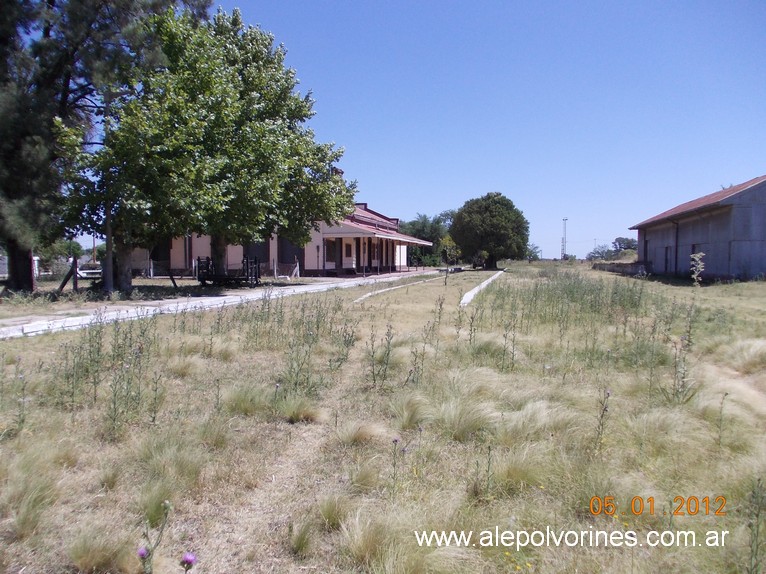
(214, 142)
(624, 243)
(533, 252)
(58, 58)
(621, 246)
(433, 229)
(132, 120)
(602, 252)
(492, 224)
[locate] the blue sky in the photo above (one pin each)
(605, 113)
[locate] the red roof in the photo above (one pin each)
(386, 233)
(701, 203)
(365, 215)
(366, 222)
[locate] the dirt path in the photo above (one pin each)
(258, 527)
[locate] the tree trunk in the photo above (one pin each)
(490, 262)
(124, 272)
(21, 270)
(218, 253)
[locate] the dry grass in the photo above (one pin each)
(464, 418)
(365, 539)
(300, 538)
(365, 478)
(296, 409)
(97, 549)
(746, 356)
(260, 424)
(411, 411)
(359, 433)
(333, 511)
(30, 488)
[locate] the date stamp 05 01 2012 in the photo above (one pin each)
(639, 505)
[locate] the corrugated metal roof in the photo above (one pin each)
(705, 202)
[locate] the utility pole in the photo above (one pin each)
(564, 241)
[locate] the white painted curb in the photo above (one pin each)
(468, 297)
(200, 304)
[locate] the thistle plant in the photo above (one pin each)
(298, 372)
(146, 552)
(653, 335)
(345, 338)
(682, 387)
(188, 560)
(379, 359)
(415, 375)
(157, 396)
(756, 518)
(21, 413)
(396, 454)
(473, 324)
(480, 488)
(697, 267)
(439, 310)
(720, 420)
(509, 332)
(22, 399)
(602, 417)
(418, 464)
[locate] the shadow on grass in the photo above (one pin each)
(95, 293)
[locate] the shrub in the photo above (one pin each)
(365, 539)
(333, 511)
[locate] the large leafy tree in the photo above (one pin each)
(601, 252)
(533, 252)
(623, 243)
(212, 142)
(493, 224)
(423, 227)
(58, 61)
(154, 177)
(277, 177)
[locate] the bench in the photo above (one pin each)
(249, 274)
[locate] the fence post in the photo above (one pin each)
(74, 273)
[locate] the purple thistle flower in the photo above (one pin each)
(188, 561)
(143, 553)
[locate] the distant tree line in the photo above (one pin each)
(434, 229)
(621, 247)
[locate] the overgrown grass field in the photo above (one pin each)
(319, 433)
